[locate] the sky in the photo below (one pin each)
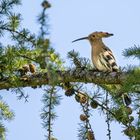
(70, 20)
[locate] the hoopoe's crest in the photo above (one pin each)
(98, 35)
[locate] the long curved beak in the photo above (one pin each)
(80, 39)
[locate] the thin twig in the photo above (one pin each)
(108, 118)
(85, 108)
(50, 109)
(27, 57)
(19, 33)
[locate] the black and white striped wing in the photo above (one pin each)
(108, 60)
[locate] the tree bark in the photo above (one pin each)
(57, 77)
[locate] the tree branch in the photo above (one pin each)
(27, 38)
(57, 77)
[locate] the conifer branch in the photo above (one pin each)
(108, 118)
(23, 34)
(132, 52)
(57, 77)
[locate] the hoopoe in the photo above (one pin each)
(102, 57)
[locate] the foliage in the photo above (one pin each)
(5, 114)
(132, 52)
(28, 53)
(50, 99)
(27, 48)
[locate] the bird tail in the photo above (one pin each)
(126, 99)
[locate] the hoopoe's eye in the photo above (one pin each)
(93, 35)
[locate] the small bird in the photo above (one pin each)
(102, 57)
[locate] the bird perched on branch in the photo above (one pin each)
(102, 57)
